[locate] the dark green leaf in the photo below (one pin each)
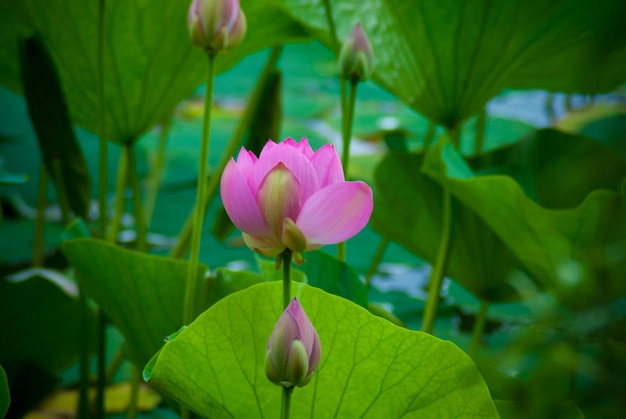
(141, 294)
(579, 254)
(48, 112)
(150, 63)
(408, 209)
(447, 58)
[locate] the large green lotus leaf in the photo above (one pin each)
(141, 294)
(40, 321)
(447, 58)
(579, 253)
(369, 367)
(150, 63)
(5, 396)
(408, 209)
(559, 170)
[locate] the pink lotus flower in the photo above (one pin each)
(293, 198)
(294, 350)
(216, 25)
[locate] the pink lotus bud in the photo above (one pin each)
(356, 59)
(216, 25)
(293, 198)
(294, 350)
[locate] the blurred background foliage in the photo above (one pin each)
(517, 109)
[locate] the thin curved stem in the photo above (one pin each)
(378, 256)
(120, 196)
(479, 329)
(479, 139)
(184, 237)
(156, 173)
(438, 270)
(135, 380)
(200, 196)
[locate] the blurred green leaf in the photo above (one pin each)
(369, 367)
(39, 319)
(446, 59)
(8, 178)
(150, 63)
(559, 170)
(5, 396)
(48, 112)
(578, 254)
(141, 294)
(408, 209)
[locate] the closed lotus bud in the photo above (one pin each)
(216, 25)
(356, 59)
(294, 351)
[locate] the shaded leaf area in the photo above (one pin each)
(141, 294)
(5, 396)
(369, 367)
(579, 254)
(408, 209)
(510, 410)
(559, 170)
(446, 59)
(41, 337)
(59, 147)
(150, 64)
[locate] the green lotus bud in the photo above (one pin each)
(294, 350)
(216, 25)
(356, 59)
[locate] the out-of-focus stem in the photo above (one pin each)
(190, 291)
(380, 251)
(347, 117)
(156, 173)
(438, 269)
(479, 139)
(184, 238)
(40, 220)
(133, 181)
(479, 329)
(61, 193)
(285, 405)
(135, 379)
(120, 196)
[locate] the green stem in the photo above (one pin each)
(479, 328)
(286, 262)
(133, 181)
(115, 364)
(101, 363)
(135, 379)
(154, 181)
(347, 116)
(200, 196)
(120, 196)
(61, 192)
(184, 238)
(40, 219)
(83, 358)
(430, 135)
(438, 270)
(103, 155)
(380, 251)
(285, 405)
(479, 139)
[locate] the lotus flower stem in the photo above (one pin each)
(200, 196)
(133, 181)
(156, 173)
(479, 328)
(347, 117)
(380, 251)
(103, 161)
(120, 196)
(184, 238)
(438, 270)
(135, 379)
(286, 262)
(285, 402)
(38, 243)
(479, 140)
